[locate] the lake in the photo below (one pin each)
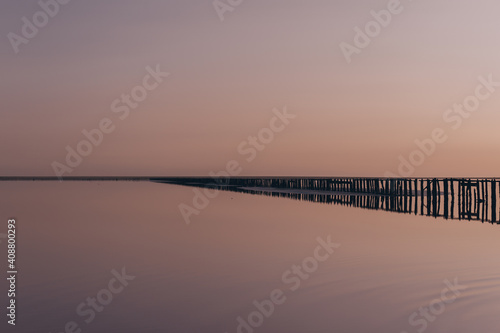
(119, 257)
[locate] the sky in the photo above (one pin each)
(232, 69)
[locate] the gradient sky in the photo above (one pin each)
(226, 78)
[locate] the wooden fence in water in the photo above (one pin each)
(450, 198)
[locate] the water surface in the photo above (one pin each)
(203, 276)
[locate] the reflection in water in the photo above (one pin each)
(200, 278)
(472, 199)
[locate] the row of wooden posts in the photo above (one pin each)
(462, 198)
(387, 186)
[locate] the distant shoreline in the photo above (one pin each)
(190, 178)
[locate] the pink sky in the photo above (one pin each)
(226, 78)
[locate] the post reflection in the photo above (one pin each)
(472, 199)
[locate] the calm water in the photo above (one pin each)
(203, 276)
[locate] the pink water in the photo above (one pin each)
(203, 276)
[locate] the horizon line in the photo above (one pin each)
(150, 178)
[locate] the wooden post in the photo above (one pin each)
(494, 201)
(445, 197)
